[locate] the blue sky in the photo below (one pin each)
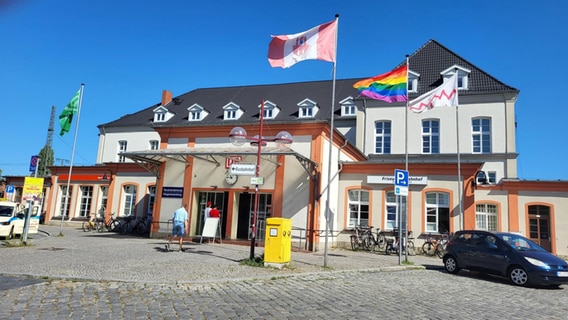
(126, 52)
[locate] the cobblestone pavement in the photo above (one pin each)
(107, 276)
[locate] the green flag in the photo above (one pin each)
(66, 116)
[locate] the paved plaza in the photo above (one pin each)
(108, 276)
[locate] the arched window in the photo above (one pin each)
(437, 212)
(358, 208)
(129, 200)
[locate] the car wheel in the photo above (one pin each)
(451, 265)
(518, 276)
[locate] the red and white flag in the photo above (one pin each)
(445, 95)
(317, 43)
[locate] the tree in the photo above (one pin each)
(46, 159)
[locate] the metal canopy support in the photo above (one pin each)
(152, 159)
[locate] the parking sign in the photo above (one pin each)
(401, 182)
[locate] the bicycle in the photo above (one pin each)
(435, 246)
(356, 239)
(92, 224)
(393, 244)
(133, 224)
(111, 224)
(371, 242)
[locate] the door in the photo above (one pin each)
(243, 227)
(539, 226)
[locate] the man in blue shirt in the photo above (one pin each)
(181, 223)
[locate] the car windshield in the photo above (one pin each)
(6, 211)
(520, 243)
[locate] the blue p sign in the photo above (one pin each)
(400, 178)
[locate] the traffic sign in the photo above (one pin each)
(33, 163)
(400, 182)
(10, 189)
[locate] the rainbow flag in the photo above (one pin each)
(389, 87)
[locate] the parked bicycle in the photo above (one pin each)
(111, 224)
(91, 225)
(357, 239)
(435, 246)
(393, 244)
(373, 241)
(132, 224)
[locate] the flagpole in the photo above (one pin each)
(72, 158)
(328, 192)
(401, 234)
(460, 211)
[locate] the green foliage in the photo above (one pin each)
(46, 159)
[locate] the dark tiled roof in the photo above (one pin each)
(428, 61)
(433, 58)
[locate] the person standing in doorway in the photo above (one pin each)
(214, 213)
(207, 211)
(181, 224)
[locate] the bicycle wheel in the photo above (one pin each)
(113, 226)
(99, 226)
(140, 228)
(411, 250)
(382, 241)
(354, 243)
(86, 226)
(429, 249)
(125, 228)
(441, 250)
(366, 242)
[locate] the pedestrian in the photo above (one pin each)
(181, 223)
(214, 213)
(207, 210)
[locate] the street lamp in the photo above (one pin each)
(238, 137)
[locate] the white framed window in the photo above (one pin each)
(390, 210)
(154, 144)
(486, 217)
(103, 191)
(492, 177)
(129, 200)
(430, 136)
(481, 135)
(195, 115)
(122, 145)
(383, 137)
(268, 114)
(463, 75)
(358, 203)
(65, 199)
(437, 212)
(271, 110)
(86, 201)
(307, 109)
(348, 107)
(306, 112)
(151, 199)
(413, 81)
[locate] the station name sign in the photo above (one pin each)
(243, 169)
(415, 180)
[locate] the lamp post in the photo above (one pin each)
(238, 137)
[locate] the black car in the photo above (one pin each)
(504, 254)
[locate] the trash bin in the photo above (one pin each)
(278, 241)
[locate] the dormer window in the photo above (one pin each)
(161, 114)
(271, 110)
(348, 107)
(413, 81)
(308, 109)
(196, 113)
(463, 76)
(232, 112)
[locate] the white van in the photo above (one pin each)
(12, 217)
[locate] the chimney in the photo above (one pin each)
(166, 97)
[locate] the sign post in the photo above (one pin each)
(400, 189)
